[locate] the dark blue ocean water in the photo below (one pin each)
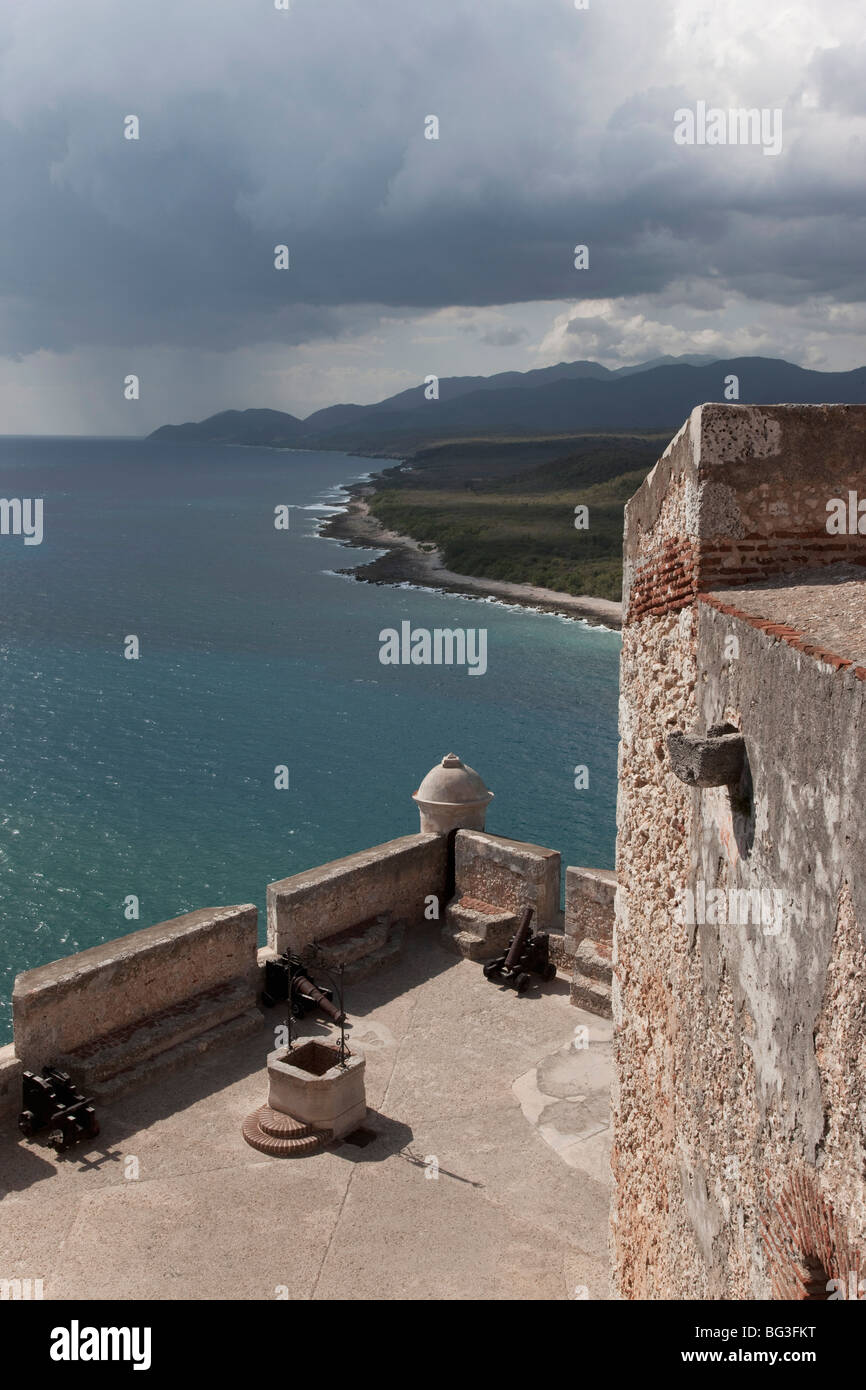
(155, 777)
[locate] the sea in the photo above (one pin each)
(192, 702)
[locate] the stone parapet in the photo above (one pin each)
(396, 877)
(70, 1004)
(509, 874)
(589, 904)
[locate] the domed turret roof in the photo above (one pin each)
(452, 783)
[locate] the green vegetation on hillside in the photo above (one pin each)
(493, 516)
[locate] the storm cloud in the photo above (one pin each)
(306, 127)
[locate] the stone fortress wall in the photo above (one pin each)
(740, 1100)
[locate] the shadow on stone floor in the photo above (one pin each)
(25, 1163)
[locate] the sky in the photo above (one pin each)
(408, 256)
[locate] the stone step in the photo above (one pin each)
(173, 1059)
(391, 948)
(362, 949)
(281, 1126)
(146, 1040)
(594, 958)
(477, 930)
(464, 943)
(592, 995)
(355, 942)
(280, 1136)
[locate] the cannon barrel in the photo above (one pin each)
(303, 985)
(521, 937)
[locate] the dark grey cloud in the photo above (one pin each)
(503, 337)
(260, 127)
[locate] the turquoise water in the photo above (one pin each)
(155, 777)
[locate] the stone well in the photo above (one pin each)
(309, 1084)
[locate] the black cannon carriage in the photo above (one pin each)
(527, 955)
(286, 978)
(53, 1100)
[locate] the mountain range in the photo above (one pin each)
(568, 398)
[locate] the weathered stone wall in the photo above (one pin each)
(590, 896)
(395, 877)
(650, 966)
(739, 1105)
(11, 1068)
(509, 874)
(68, 1004)
(589, 904)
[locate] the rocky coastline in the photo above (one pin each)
(407, 561)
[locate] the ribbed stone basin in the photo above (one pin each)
(309, 1084)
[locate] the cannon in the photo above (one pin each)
(527, 954)
(287, 978)
(53, 1099)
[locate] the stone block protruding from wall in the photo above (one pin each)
(508, 874)
(394, 878)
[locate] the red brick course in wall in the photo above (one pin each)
(806, 1247)
(670, 582)
(681, 570)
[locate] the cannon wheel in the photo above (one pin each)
(550, 971)
(27, 1122)
(522, 982)
(298, 1011)
(491, 969)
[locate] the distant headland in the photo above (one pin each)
(513, 485)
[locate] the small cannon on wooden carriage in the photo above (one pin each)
(286, 978)
(52, 1099)
(527, 955)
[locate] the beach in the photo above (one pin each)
(406, 561)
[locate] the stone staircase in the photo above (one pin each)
(476, 929)
(159, 1045)
(363, 948)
